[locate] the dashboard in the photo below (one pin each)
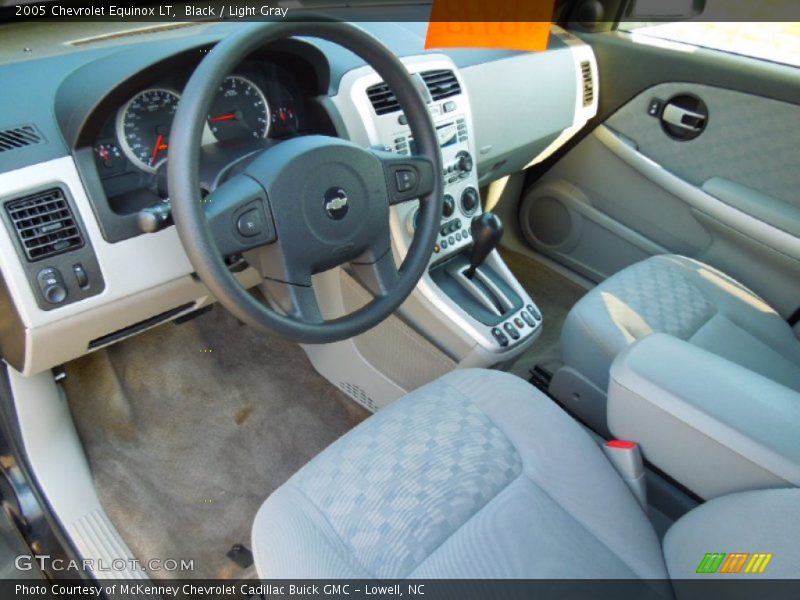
(100, 124)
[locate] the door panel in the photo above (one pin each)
(729, 197)
(748, 139)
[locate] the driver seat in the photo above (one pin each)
(479, 475)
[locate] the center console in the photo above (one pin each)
(478, 314)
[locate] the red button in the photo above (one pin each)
(621, 444)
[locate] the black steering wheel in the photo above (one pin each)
(307, 204)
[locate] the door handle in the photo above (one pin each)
(683, 118)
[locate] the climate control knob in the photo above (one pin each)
(448, 206)
(470, 200)
(464, 161)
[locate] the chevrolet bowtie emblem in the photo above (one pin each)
(336, 203)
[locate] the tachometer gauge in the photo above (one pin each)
(239, 110)
(143, 126)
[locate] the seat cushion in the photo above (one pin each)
(475, 475)
(686, 299)
(756, 523)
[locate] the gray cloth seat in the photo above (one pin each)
(680, 297)
(476, 475)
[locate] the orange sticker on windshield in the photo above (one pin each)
(508, 25)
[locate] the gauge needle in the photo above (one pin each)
(228, 117)
(159, 146)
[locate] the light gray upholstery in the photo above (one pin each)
(713, 426)
(765, 521)
(688, 300)
(474, 475)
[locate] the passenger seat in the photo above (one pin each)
(680, 297)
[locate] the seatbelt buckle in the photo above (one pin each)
(627, 460)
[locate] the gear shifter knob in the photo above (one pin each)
(487, 229)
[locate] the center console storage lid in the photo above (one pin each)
(711, 424)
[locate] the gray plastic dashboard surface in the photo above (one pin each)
(33, 87)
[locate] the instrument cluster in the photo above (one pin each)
(256, 102)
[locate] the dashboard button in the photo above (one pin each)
(527, 318)
(449, 106)
(80, 275)
(250, 223)
(519, 323)
(448, 206)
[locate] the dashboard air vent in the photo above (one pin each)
(588, 85)
(17, 137)
(441, 83)
(44, 224)
(382, 98)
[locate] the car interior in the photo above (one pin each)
(307, 299)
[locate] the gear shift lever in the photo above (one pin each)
(487, 229)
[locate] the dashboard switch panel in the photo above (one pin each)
(60, 265)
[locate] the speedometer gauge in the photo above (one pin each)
(239, 110)
(143, 126)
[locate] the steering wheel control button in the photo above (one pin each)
(336, 203)
(500, 337)
(250, 223)
(52, 285)
(511, 330)
(405, 180)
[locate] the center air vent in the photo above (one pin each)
(44, 224)
(588, 85)
(442, 83)
(17, 137)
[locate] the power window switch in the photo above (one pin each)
(511, 330)
(499, 337)
(655, 107)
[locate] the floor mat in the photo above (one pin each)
(188, 428)
(555, 295)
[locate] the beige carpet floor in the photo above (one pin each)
(188, 428)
